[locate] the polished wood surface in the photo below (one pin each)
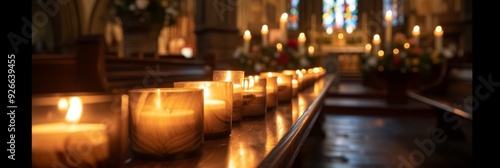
(273, 140)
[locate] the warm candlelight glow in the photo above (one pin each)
(75, 110)
(376, 39)
(264, 30)
(368, 47)
(301, 38)
(329, 30)
(416, 30)
(228, 76)
(310, 50)
(340, 36)
(388, 16)
(284, 17)
(406, 45)
(438, 31)
(247, 35)
(395, 51)
(381, 53)
(62, 104)
(279, 47)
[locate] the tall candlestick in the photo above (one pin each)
(438, 35)
(388, 29)
(376, 44)
(246, 45)
(283, 29)
(416, 34)
(302, 41)
(264, 31)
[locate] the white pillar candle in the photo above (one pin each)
(264, 32)
(376, 44)
(388, 29)
(302, 43)
(283, 29)
(438, 38)
(416, 34)
(246, 43)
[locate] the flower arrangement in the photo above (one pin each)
(406, 57)
(165, 11)
(275, 57)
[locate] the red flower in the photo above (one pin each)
(417, 51)
(396, 60)
(283, 58)
(292, 43)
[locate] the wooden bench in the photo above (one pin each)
(453, 99)
(90, 69)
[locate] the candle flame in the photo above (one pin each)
(310, 50)
(62, 104)
(284, 17)
(75, 110)
(279, 80)
(340, 36)
(302, 37)
(376, 39)
(380, 53)
(247, 35)
(438, 31)
(407, 45)
(228, 76)
(256, 78)
(206, 91)
(265, 29)
(279, 47)
(368, 47)
(395, 51)
(388, 15)
(416, 30)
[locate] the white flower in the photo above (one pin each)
(131, 7)
(171, 11)
(304, 62)
(257, 67)
(237, 52)
(448, 53)
(142, 4)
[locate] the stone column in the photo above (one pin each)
(216, 30)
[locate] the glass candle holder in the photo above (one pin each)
(271, 91)
(166, 123)
(254, 96)
(89, 126)
(295, 81)
(217, 108)
(236, 77)
(284, 81)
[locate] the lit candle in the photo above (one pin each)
(416, 34)
(264, 31)
(246, 45)
(236, 77)
(284, 82)
(438, 34)
(60, 144)
(376, 44)
(295, 87)
(166, 122)
(302, 41)
(283, 29)
(368, 48)
(271, 90)
(217, 114)
(388, 29)
(254, 96)
(310, 50)
(279, 47)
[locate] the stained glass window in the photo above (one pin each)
(340, 14)
(293, 15)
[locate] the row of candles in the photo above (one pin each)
(438, 36)
(301, 39)
(164, 122)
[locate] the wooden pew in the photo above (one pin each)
(450, 96)
(90, 69)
